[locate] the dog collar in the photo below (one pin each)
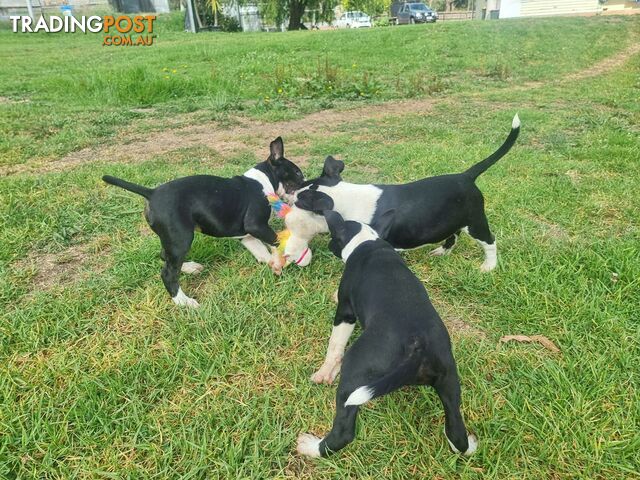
(304, 254)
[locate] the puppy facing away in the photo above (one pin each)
(403, 341)
(431, 210)
(220, 207)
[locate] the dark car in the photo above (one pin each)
(415, 13)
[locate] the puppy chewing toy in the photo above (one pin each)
(281, 209)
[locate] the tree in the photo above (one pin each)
(215, 6)
(370, 7)
(449, 5)
(294, 10)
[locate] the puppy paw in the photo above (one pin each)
(187, 302)
(439, 252)
(277, 262)
(473, 445)
(183, 301)
(191, 268)
(326, 374)
(276, 267)
(487, 267)
(320, 377)
(308, 445)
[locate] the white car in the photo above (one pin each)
(354, 19)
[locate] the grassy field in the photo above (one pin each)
(101, 376)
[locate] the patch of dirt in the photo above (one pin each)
(574, 176)
(458, 327)
(148, 110)
(7, 100)
(49, 270)
(550, 229)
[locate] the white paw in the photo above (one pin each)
(191, 268)
(308, 445)
(183, 301)
(487, 267)
(440, 251)
(326, 374)
(276, 262)
(473, 445)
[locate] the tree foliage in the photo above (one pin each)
(370, 7)
(448, 5)
(297, 11)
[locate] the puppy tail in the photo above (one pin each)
(397, 378)
(132, 187)
(481, 167)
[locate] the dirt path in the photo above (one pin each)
(605, 66)
(254, 135)
(248, 135)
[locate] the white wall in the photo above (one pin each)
(509, 8)
(534, 8)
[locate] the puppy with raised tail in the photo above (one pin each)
(220, 207)
(403, 342)
(431, 210)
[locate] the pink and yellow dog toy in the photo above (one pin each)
(282, 208)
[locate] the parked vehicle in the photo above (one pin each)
(354, 19)
(415, 12)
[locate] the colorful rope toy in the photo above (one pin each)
(280, 207)
(283, 236)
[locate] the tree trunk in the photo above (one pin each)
(296, 10)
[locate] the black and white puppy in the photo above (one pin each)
(403, 341)
(220, 207)
(431, 210)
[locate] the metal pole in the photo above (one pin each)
(239, 16)
(30, 9)
(192, 22)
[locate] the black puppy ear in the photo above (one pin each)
(332, 168)
(276, 150)
(336, 224)
(384, 223)
(314, 201)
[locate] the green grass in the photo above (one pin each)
(101, 376)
